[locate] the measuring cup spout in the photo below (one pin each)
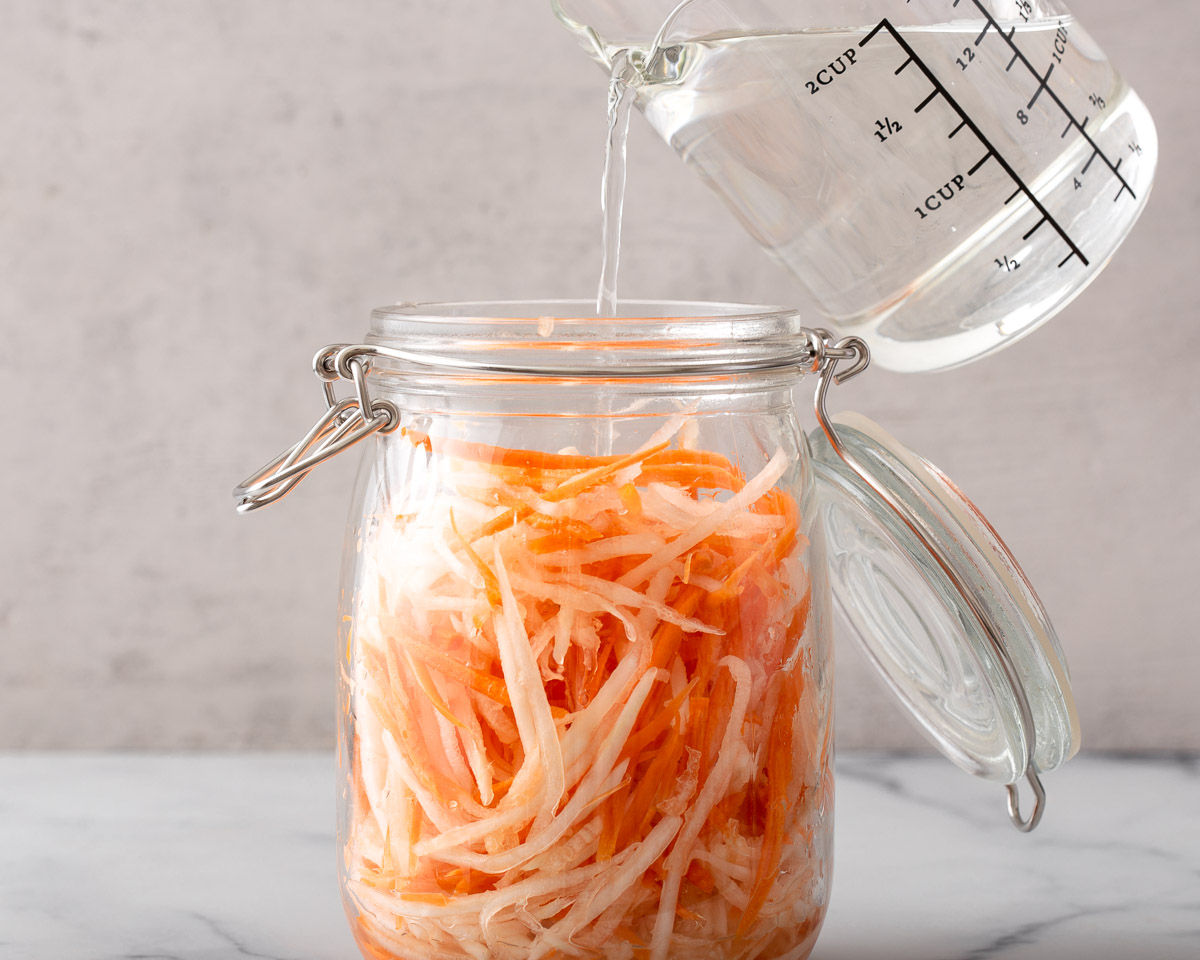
(607, 26)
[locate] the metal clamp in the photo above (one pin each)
(1039, 802)
(827, 356)
(344, 423)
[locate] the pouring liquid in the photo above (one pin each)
(621, 89)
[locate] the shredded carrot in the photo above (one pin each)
(437, 899)
(489, 579)
(435, 699)
(631, 501)
(490, 686)
(657, 723)
(642, 807)
(668, 636)
(589, 478)
(584, 721)
(779, 776)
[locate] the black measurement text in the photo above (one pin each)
(1060, 43)
(943, 195)
(887, 127)
(826, 75)
(995, 34)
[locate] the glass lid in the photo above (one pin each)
(941, 608)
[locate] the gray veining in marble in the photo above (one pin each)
(117, 857)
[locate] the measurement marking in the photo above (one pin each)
(1091, 159)
(1041, 87)
(1124, 185)
(886, 24)
(1016, 193)
(927, 100)
(879, 26)
(1013, 62)
(1068, 260)
(1034, 229)
(900, 68)
(986, 157)
(954, 132)
(986, 27)
(1070, 127)
(1018, 54)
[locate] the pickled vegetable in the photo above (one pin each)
(585, 716)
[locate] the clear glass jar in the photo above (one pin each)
(586, 675)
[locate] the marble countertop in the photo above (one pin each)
(202, 857)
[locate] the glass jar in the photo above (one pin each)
(586, 688)
(586, 672)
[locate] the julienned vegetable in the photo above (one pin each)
(585, 720)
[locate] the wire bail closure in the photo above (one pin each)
(344, 423)
(354, 418)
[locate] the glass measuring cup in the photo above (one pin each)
(942, 175)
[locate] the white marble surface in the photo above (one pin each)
(136, 857)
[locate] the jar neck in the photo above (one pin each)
(564, 340)
(546, 397)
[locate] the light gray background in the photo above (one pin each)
(196, 195)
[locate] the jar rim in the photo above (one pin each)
(577, 310)
(567, 338)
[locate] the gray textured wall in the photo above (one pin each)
(193, 196)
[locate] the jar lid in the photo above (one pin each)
(942, 608)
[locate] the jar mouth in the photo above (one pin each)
(566, 338)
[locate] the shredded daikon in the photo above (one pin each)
(585, 716)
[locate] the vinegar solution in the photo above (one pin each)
(621, 87)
